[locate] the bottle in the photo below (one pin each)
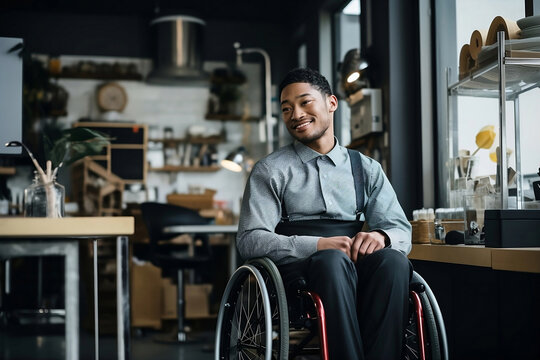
(439, 227)
(44, 199)
(536, 187)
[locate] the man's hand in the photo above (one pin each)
(365, 243)
(342, 243)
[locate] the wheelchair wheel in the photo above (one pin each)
(244, 325)
(437, 322)
(434, 335)
(278, 306)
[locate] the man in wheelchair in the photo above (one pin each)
(304, 207)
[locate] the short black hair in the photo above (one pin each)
(309, 76)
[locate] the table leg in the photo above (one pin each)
(70, 250)
(72, 299)
(122, 298)
(96, 307)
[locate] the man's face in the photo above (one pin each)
(308, 114)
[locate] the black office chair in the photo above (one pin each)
(175, 257)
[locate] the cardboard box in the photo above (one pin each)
(145, 296)
(168, 299)
(197, 300)
(193, 201)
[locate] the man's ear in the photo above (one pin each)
(332, 102)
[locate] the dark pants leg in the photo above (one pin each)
(332, 275)
(383, 291)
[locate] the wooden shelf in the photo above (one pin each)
(172, 168)
(7, 170)
(191, 140)
(227, 117)
(98, 76)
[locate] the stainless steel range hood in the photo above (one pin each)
(178, 51)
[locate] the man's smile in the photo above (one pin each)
(302, 124)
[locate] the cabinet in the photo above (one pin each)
(125, 156)
(510, 74)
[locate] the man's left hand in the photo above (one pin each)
(365, 243)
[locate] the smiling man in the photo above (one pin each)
(304, 207)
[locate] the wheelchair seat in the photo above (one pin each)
(259, 315)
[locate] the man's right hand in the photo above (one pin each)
(342, 243)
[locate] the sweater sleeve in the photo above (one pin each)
(383, 211)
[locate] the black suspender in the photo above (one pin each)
(358, 176)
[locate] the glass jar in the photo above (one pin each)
(44, 199)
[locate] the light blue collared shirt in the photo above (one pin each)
(313, 186)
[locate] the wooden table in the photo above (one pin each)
(21, 237)
(509, 259)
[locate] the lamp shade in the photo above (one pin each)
(352, 71)
(236, 160)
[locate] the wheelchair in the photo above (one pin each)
(257, 321)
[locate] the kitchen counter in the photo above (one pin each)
(508, 259)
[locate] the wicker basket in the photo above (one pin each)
(422, 231)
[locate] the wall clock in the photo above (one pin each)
(111, 97)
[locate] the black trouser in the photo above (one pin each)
(365, 303)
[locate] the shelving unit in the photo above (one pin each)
(505, 79)
(173, 143)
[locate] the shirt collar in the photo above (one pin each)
(307, 154)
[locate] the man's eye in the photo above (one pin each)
(306, 102)
(284, 110)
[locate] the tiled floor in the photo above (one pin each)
(143, 347)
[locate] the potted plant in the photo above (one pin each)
(45, 197)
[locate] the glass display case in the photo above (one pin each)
(509, 69)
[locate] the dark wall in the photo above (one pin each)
(130, 36)
(75, 34)
(274, 38)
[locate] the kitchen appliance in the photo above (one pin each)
(178, 55)
(366, 113)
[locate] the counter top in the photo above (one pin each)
(68, 227)
(508, 259)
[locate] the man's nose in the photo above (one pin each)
(297, 113)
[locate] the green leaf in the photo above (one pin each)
(74, 144)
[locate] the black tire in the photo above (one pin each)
(244, 325)
(278, 306)
(433, 349)
(437, 316)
